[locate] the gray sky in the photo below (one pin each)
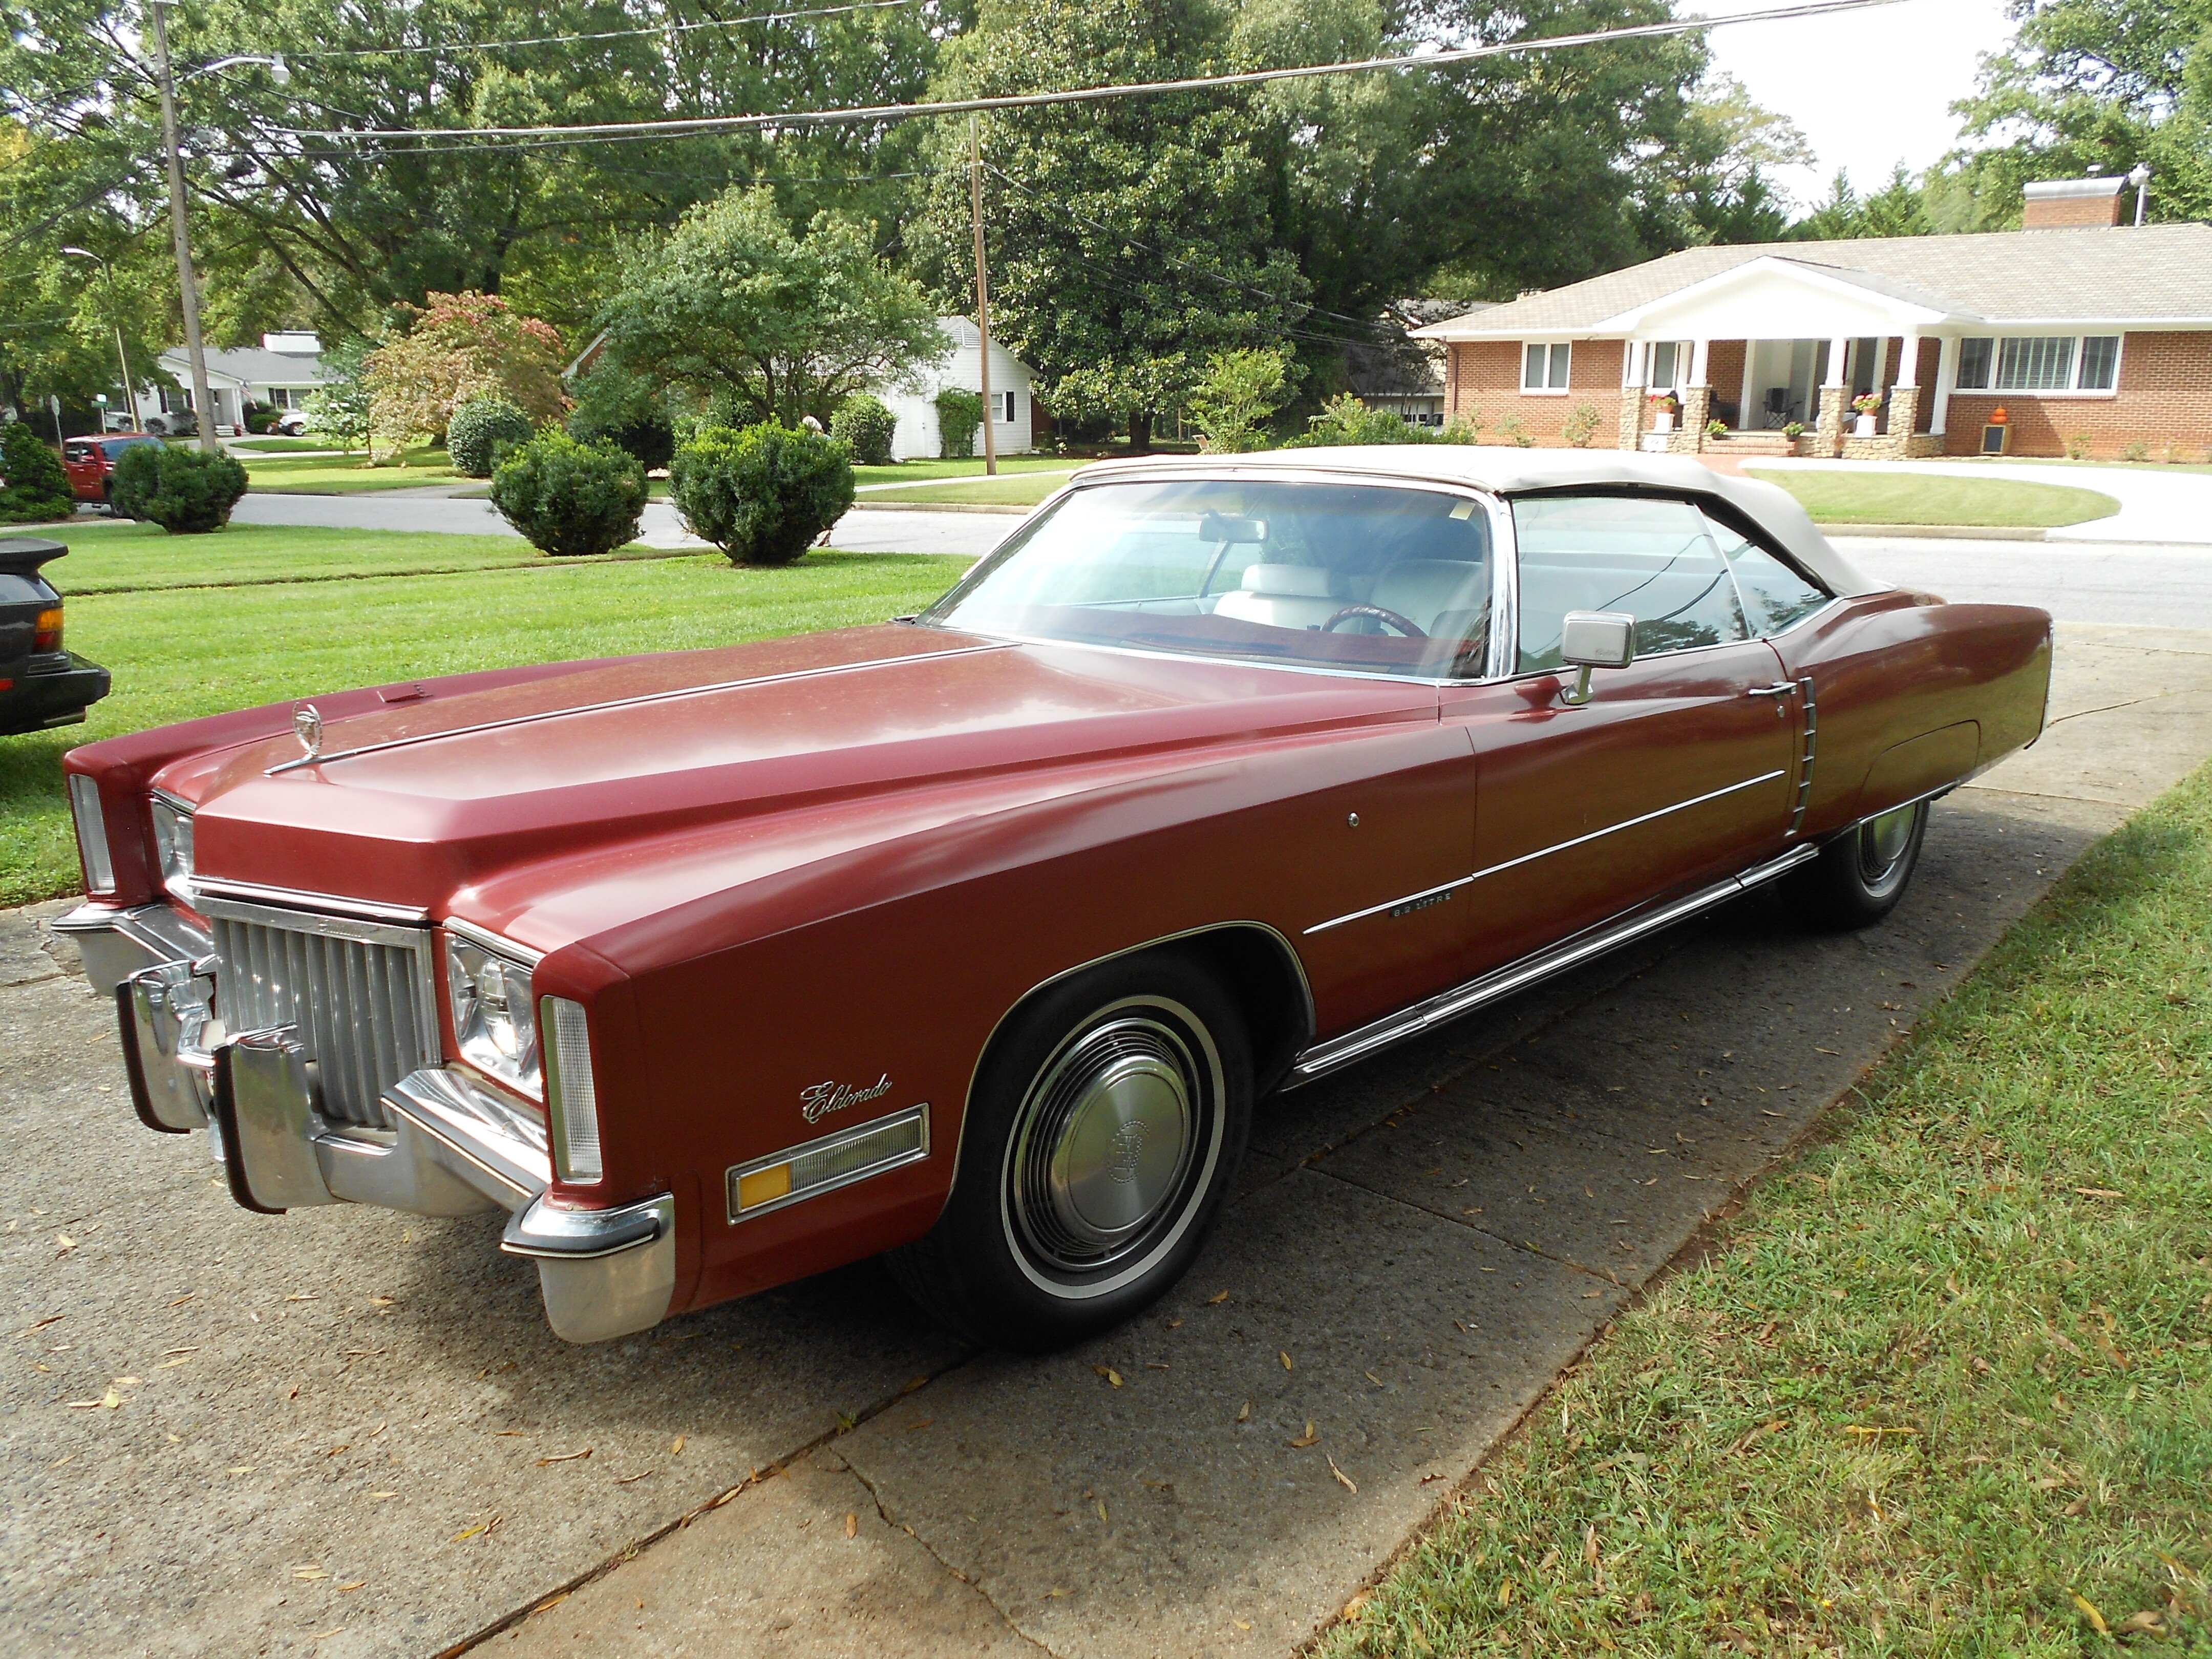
(1867, 88)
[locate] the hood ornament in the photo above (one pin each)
(308, 726)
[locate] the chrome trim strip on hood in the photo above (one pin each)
(249, 895)
(630, 702)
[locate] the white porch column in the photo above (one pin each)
(1700, 356)
(1947, 380)
(1908, 362)
(1839, 369)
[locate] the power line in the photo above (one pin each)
(1440, 59)
(603, 35)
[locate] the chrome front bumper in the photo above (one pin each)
(458, 1148)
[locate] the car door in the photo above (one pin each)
(1680, 768)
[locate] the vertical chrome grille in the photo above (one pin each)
(360, 993)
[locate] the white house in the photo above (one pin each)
(1014, 414)
(282, 371)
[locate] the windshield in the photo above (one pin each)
(1363, 577)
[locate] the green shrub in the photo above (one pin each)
(959, 413)
(1583, 423)
(188, 492)
(2136, 450)
(481, 428)
(1512, 427)
(864, 426)
(569, 498)
(2077, 447)
(259, 416)
(1345, 420)
(762, 495)
(37, 489)
(629, 410)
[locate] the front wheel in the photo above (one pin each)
(1107, 1123)
(1861, 875)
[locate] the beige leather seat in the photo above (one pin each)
(1281, 596)
(1428, 591)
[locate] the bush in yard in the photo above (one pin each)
(37, 488)
(864, 426)
(569, 498)
(1345, 420)
(959, 413)
(188, 492)
(1582, 426)
(481, 428)
(763, 495)
(1232, 401)
(1512, 427)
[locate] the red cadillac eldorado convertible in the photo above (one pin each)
(979, 936)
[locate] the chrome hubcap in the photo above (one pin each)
(1106, 1143)
(1882, 841)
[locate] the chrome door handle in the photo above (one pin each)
(1779, 689)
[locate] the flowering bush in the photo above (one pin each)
(460, 347)
(1868, 402)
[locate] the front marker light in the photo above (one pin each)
(572, 1100)
(91, 835)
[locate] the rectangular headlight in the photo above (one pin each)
(173, 845)
(493, 1023)
(572, 1098)
(91, 835)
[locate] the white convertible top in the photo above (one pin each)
(1506, 471)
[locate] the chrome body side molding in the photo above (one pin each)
(1326, 1057)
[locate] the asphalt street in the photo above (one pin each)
(348, 1432)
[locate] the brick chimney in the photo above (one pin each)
(2075, 204)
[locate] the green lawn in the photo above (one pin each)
(909, 472)
(112, 556)
(1016, 491)
(1943, 1386)
(336, 474)
(1937, 499)
(282, 445)
(179, 654)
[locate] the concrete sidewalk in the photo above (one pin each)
(2169, 506)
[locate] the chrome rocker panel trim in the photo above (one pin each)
(1323, 1058)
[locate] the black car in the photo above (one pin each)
(41, 685)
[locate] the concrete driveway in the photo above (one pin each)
(348, 1432)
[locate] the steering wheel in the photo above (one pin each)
(1389, 618)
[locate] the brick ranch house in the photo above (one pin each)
(2079, 328)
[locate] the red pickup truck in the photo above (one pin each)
(90, 463)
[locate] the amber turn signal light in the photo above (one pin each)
(46, 632)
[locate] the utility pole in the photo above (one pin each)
(187, 283)
(982, 297)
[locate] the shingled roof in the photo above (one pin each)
(2159, 274)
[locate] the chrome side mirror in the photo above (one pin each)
(1595, 639)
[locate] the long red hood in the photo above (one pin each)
(412, 802)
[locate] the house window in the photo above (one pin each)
(1670, 364)
(1545, 367)
(2041, 362)
(1003, 403)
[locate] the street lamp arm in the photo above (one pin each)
(279, 70)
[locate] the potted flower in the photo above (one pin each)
(1869, 404)
(1793, 430)
(1662, 411)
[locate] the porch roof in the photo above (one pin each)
(2157, 276)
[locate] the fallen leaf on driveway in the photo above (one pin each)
(631, 1480)
(852, 1526)
(1217, 1298)
(309, 1572)
(1310, 1438)
(1110, 1374)
(477, 1531)
(1244, 1412)
(676, 1447)
(64, 1244)
(1285, 1358)
(1342, 1479)
(564, 1457)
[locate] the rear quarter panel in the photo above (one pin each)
(1914, 696)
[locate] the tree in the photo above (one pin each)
(1235, 396)
(342, 407)
(781, 326)
(459, 347)
(2093, 87)
(1136, 239)
(1898, 208)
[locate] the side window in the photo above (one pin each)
(1653, 559)
(1775, 597)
